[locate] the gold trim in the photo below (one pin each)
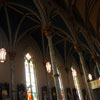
(12, 55)
(95, 58)
(55, 75)
(77, 48)
(48, 30)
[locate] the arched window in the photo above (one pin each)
(30, 78)
(76, 83)
(61, 85)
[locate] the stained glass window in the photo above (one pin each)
(76, 82)
(61, 85)
(30, 78)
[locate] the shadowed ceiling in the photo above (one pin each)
(73, 21)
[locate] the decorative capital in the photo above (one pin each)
(12, 55)
(48, 30)
(77, 48)
(55, 75)
(95, 58)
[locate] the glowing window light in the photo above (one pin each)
(76, 82)
(48, 67)
(28, 56)
(2, 55)
(61, 84)
(74, 72)
(90, 77)
(30, 78)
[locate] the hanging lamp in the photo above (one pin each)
(2, 55)
(48, 67)
(90, 77)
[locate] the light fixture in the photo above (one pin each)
(90, 77)
(48, 67)
(2, 55)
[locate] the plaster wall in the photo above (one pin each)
(28, 45)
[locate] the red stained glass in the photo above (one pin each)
(29, 96)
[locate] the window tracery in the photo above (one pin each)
(30, 78)
(76, 82)
(61, 84)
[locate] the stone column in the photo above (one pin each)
(90, 92)
(54, 68)
(48, 31)
(48, 87)
(12, 84)
(96, 59)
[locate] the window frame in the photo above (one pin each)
(29, 62)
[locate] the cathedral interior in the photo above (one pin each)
(49, 49)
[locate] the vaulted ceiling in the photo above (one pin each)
(73, 21)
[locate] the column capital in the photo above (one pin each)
(12, 55)
(48, 30)
(55, 75)
(96, 58)
(77, 48)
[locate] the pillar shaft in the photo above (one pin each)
(54, 68)
(96, 59)
(48, 87)
(86, 76)
(98, 67)
(12, 80)
(12, 84)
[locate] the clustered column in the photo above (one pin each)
(12, 84)
(48, 88)
(48, 32)
(78, 49)
(96, 59)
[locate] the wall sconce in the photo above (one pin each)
(90, 77)
(2, 55)
(48, 67)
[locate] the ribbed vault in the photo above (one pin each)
(73, 22)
